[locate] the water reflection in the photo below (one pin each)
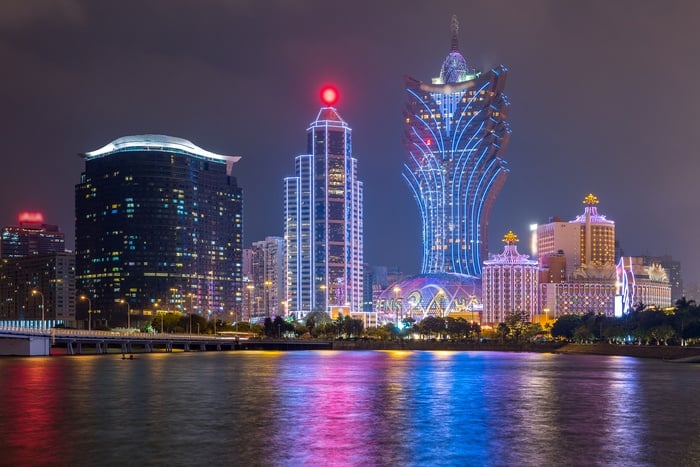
(348, 408)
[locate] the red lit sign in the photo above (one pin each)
(329, 95)
(33, 217)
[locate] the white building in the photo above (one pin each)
(323, 220)
(510, 284)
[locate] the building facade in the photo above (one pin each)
(323, 220)
(510, 284)
(641, 284)
(31, 237)
(28, 283)
(578, 273)
(455, 135)
(267, 278)
(158, 224)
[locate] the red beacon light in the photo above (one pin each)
(329, 95)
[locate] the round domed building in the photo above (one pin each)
(436, 294)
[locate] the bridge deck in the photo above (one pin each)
(77, 342)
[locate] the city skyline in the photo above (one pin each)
(598, 105)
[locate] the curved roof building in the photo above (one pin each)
(456, 132)
(440, 295)
(158, 224)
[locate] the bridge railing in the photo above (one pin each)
(102, 334)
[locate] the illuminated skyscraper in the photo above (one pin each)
(587, 242)
(456, 132)
(31, 237)
(159, 224)
(323, 219)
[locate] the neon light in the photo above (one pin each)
(455, 169)
(329, 95)
(31, 217)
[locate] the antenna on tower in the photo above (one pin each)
(455, 30)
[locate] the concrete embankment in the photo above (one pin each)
(688, 354)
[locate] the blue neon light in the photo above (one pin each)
(455, 178)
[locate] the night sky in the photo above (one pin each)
(604, 99)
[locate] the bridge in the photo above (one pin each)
(33, 341)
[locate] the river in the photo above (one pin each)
(348, 408)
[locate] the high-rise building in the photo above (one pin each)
(159, 224)
(29, 283)
(456, 132)
(267, 278)
(587, 242)
(31, 237)
(578, 272)
(323, 219)
(510, 284)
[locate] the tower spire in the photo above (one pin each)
(455, 31)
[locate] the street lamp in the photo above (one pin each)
(249, 301)
(128, 313)
(190, 295)
(37, 292)
(85, 297)
(396, 291)
(268, 283)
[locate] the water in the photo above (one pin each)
(348, 408)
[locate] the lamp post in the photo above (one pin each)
(190, 295)
(128, 313)
(37, 292)
(249, 301)
(85, 297)
(268, 283)
(396, 291)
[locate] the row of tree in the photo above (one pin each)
(641, 325)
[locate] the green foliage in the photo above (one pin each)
(642, 325)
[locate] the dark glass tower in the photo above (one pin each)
(159, 224)
(456, 132)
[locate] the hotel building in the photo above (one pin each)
(158, 224)
(455, 135)
(323, 225)
(578, 271)
(509, 284)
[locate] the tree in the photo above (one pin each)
(565, 325)
(503, 330)
(517, 323)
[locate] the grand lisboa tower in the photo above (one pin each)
(456, 132)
